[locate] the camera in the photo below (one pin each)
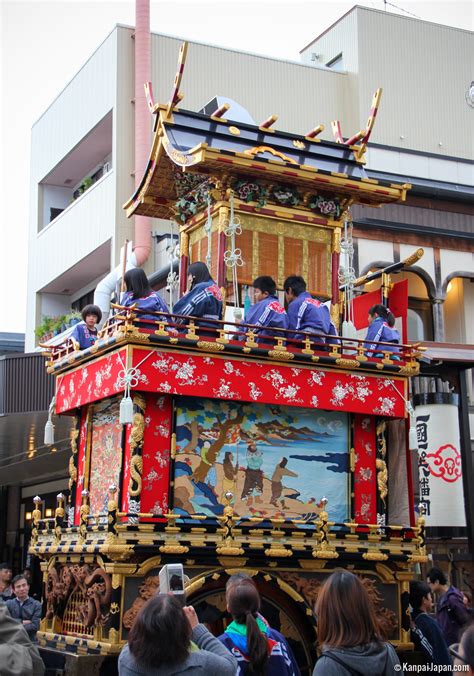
(172, 581)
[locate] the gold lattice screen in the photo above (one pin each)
(273, 247)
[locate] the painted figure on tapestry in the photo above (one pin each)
(106, 453)
(230, 476)
(274, 460)
(281, 470)
(253, 485)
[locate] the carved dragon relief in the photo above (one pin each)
(94, 584)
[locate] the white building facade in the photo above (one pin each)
(82, 156)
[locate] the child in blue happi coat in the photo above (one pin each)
(259, 649)
(267, 311)
(381, 323)
(140, 293)
(85, 333)
(306, 313)
(203, 298)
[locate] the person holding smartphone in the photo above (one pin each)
(159, 643)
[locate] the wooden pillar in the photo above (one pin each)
(335, 255)
(183, 261)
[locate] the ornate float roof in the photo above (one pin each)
(208, 145)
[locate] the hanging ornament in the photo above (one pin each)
(233, 256)
(172, 280)
(208, 231)
(412, 433)
(347, 278)
(49, 427)
(128, 378)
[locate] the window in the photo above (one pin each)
(420, 323)
(80, 303)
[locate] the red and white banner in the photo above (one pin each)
(440, 469)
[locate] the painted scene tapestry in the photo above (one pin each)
(106, 452)
(274, 460)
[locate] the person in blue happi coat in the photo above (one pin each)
(140, 294)
(306, 313)
(203, 298)
(85, 333)
(267, 311)
(381, 323)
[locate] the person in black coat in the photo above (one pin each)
(426, 633)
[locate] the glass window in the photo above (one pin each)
(420, 322)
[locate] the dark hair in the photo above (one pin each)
(437, 575)
(384, 313)
(265, 284)
(161, 633)
(17, 578)
(295, 283)
(5, 566)
(283, 462)
(199, 272)
(137, 282)
(467, 643)
(418, 591)
(243, 602)
(91, 310)
(346, 616)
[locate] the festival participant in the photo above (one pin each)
(159, 643)
(6, 591)
(451, 612)
(260, 650)
(253, 483)
(426, 632)
(85, 333)
(203, 298)
(23, 608)
(267, 311)
(277, 486)
(140, 294)
(381, 321)
(348, 632)
(18, 655)
(305, 313)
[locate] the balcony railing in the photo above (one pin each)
(207, 335)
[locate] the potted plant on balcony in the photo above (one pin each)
(44, 331)
(73, 318)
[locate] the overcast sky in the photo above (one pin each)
(43, 45)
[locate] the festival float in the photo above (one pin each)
(284, 459)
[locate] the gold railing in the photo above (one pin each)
(207, 335)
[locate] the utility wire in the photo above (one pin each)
(385, 2)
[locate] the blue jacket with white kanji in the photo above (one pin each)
(308, 314)
(204, 300)
(267, 312)
(380, 331)
(151, 303)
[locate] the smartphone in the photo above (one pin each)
(172, 581)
